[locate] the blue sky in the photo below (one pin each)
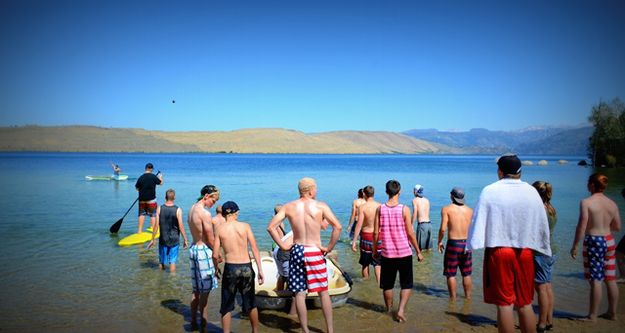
(309, 65)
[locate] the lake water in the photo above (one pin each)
(62, 271)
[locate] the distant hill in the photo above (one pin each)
(98, 139)
(548, 141)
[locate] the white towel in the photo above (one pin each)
(510, 213)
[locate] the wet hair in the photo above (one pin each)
(545, 191)
(170, 194)
(368, 191)
(599, 182)
(392, 187)
(360, 193)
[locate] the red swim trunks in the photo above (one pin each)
(508, 276)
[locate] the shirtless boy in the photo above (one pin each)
(421, 218)
(364, 229)
(238, 276)
(200, 254)
(456, 217)
(598, 217)
(307, 266)
(353, 217)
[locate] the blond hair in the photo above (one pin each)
(305, 185)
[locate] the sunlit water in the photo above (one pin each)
(62, 271)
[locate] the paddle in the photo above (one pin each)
(115, 227)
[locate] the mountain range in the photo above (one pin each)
(534, 141)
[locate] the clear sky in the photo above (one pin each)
(309, 65)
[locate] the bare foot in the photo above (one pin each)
(608, 316)
(292, 315)
(401, 318)
(589, 318)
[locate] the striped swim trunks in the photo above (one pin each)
(455, 256)
(307, 269)
(599, 258)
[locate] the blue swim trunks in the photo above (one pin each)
(168, 254)
(543, 266)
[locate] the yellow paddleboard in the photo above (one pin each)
(138, 238)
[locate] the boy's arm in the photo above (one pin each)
(216, 252)
(376, 230)
(207, 229)
(156, 226)
(272, 228)
(256, 254)
(411, 236)
(328, 215)
(361, 218)
(441, 232)
(615, 225)
(181, 227)
(581, 227)
(352, 216)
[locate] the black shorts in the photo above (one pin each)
(237, 278)
(389, 269)
(366, 259)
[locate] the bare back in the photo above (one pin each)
(601, 213)
(233, 238)
(367, 214)
(200, 224)
(421, 210)
(305, 216)
(458, 219)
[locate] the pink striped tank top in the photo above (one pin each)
(393, 232)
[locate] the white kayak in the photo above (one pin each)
(107, 177)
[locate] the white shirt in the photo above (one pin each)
(510, 213)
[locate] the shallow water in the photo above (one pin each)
(64, 272)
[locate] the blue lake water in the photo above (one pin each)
(64, 272)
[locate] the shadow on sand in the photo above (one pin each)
(366, 305)
(579, 275)
(560, 314)
(431, 291)
(184, 310)
(472, 319)
(283, 323)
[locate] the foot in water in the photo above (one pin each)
(401, 318)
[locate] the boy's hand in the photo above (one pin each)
(419, 257)
(441, 247)
(261, 278)
(186, 244)
(354, 246)
(150, 244)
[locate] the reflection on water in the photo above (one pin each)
(65, 273)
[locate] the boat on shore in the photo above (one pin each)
(107, 177)
(339, 286)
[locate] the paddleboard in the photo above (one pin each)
(107, 177)
(138, 238)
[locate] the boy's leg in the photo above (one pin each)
(451, 287)
(203, 312)
(141, 220)
(527, 318)
(612, 299)
(225, 322)
(467, 284)
(326, 307)
(505, 319)
(300, 306)
(254, 319)
(404, 296)
(543, 304)
(365, 272)
(388, 299)
(377, 270)
(195, 300)
(595, 299)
